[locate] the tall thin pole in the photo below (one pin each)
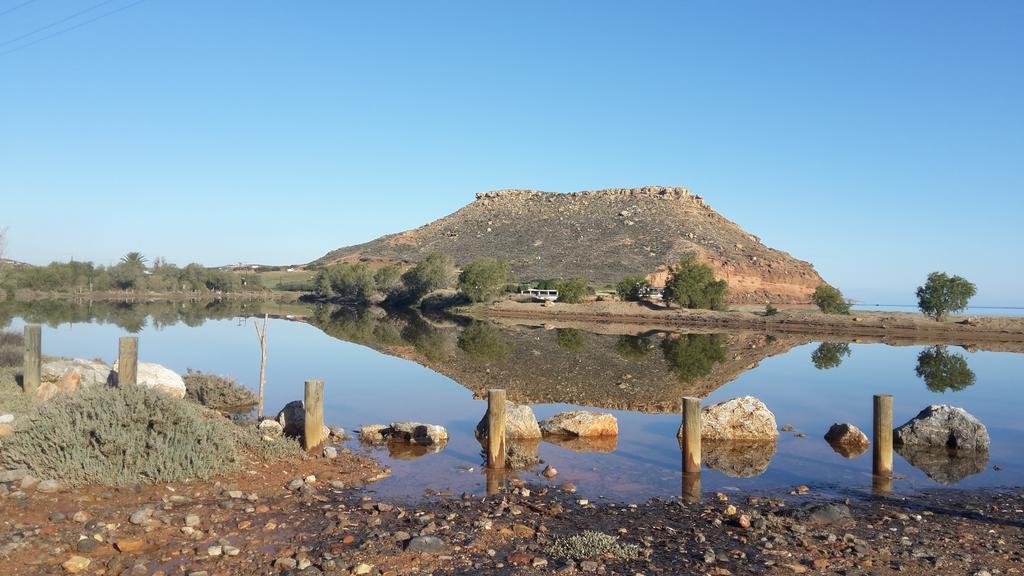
(32, 373)
(691, 435)
(313, 426)
(128, 361)
(496, 428)
(262, 334)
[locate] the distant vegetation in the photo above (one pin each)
(830, 300)
(359, 283)
(571, 339)
(943, 294)
(634, 288)
(693, 285)
(770, 310)
(130, 274)
(572, 290)
(484, 279)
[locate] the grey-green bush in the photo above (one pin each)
(591, 544)
(120, 436)
(217, 392)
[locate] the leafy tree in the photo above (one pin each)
(633, 288)
(830, 300)
(692, 356)
(432, 273)
(943, 294)
(322, 284)
(125, 275)
(830, 355)
(572, 339)
(485, 279)
(693, 285)
(633, 348)
(571, 290)
(483, 342)
(351, 281)
(943, 370)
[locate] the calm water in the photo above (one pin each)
(380, 369)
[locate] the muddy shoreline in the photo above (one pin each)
(268, 520)
(885, 326)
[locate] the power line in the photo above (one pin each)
(75, 27)
(13, 8)
(52, 24)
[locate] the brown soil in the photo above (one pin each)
(890, 327)
(334, 530)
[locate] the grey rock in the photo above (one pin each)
(49, 486)
(943, 426)
(13, 475)
(292, 418)
(6, 418)
(520, 422)
(141, 516)
(93, 372)
(87, 545)
(743, 418)
(330, 452)
(825, 513)
(426, 545)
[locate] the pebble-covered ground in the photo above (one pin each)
(312, 517)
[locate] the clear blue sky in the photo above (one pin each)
(878, 140)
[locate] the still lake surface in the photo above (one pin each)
(382, 368)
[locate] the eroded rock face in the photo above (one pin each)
(847, 440)
(580, 423)
(743, 418)
(520, 422)
(943, 426)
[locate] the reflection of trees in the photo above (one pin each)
(483, 342)
(130, 316)
(692, 356)
(633, 348)
(359, 325)
(572, 339)
(428, 340)
(943, 370)
(830, 355)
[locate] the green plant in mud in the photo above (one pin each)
(217, 392)
(120, 436)
(572, 339)
(591, 544)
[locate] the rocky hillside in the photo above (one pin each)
(602, 236)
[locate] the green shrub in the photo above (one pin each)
(572, 290)
(693, 285)
(830, 300)
(120, 436)
(770, 310)
(353, 282)
(387, 278)
(572, 339)
(432, 273)
(217, 392)
(943, 294)
(12, 349)
(485, 279)
(590, 544)
(633, 288)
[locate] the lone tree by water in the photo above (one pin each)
(830, 300)
(485, 279)
(943, 370)
(693, 285)
(943, 294)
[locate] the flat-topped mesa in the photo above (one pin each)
(600, 235)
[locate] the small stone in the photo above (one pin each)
(49, 486)
(337, 484)
(80, 517)
(75, 564)
(192, 520)
(214, 550)
(285, 563)
(743, 521)
(362, 569)
(426, 545)
(330, 452)
(549, 472)
(231, 551)
(28, 481)
(140, 516)
(57, 517)
(86, 545)
(235, 494)
(588, 566)
(730, 510)
(128, 545)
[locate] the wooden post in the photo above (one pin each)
(496, 429)
(494, 480)
(32, 373)
(691, 435)
(313, 433)
(691, 486)
(882, 436)
(128, 361)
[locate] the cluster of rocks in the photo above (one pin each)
(405, 432)
(67, 375)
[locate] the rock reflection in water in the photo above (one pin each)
(945, 465)
(737, 458)
(520, 454)
(585, 443)
(849, 450)
(406, 451)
